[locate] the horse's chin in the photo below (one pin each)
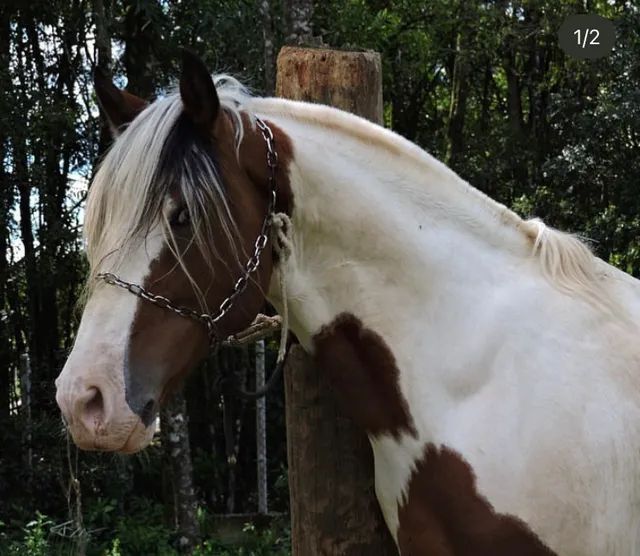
(139, 439)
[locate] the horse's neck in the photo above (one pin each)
(386, 236)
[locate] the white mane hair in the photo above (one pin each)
(568, 263)
(132, 181)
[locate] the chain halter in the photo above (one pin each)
(210, 320)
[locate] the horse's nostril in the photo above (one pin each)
(95, 405)
(91, 409)
(147, 413)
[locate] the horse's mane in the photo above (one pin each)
(153, 154)
(568, 263)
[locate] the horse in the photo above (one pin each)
(493, 361)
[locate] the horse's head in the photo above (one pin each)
(175, 207)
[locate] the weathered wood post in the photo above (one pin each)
(334, 510)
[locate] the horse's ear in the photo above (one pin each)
(198, 92)
(119, 107)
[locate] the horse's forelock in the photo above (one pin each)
(158, 154)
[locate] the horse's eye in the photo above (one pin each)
(180, 217)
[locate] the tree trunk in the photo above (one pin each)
(26, 235)
(103, 61)
(334, 510)
(299, 14)
(25, 407)
(261, 432)
(514, 101)
(236, 361)
(175, 437)
(459, 88)
(6, 200)
(139, 37)
(269, 60)
(103, 37)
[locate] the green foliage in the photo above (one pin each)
(114, 549)
(258, 542)
(35, 541)
(141, 531)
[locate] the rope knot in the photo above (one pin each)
(281, 235)
(283, 246)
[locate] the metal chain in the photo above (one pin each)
(211, 319)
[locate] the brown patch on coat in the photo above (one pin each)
(363, 373)
(164, 347)
(444, 515)
(253, 157)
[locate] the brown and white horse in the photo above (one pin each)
(493, 362)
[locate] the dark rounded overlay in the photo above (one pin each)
(587, 36)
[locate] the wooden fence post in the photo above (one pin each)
(334, 511)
